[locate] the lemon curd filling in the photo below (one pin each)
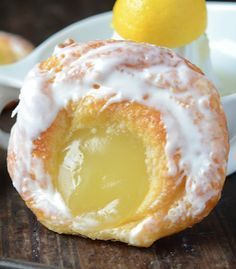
(103, 175)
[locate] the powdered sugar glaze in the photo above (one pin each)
(152, 76)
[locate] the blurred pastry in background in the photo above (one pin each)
(179, 25)
(13, 48)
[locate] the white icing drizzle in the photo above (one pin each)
(197, 52)
(191, 126)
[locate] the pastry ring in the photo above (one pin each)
(118, 140)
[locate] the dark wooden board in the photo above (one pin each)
(209, 244)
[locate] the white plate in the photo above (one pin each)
(222, 35)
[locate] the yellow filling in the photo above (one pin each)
(103, 175)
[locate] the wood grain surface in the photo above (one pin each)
(209, 244)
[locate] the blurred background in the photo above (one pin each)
(38, 19)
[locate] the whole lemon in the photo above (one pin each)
(169, 23)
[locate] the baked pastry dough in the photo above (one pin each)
(13, 48)
(118, 140)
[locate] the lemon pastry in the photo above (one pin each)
(117, 140)
(176, 24)
(13, 48)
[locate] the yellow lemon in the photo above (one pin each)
(169, 23)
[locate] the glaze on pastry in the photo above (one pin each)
(13, 48)
(118, 140)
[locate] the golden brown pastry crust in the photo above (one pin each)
(168, 207)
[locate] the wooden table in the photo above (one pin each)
(209, 244)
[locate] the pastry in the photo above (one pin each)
(13, 48)
(176, 24)
(118, 140)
